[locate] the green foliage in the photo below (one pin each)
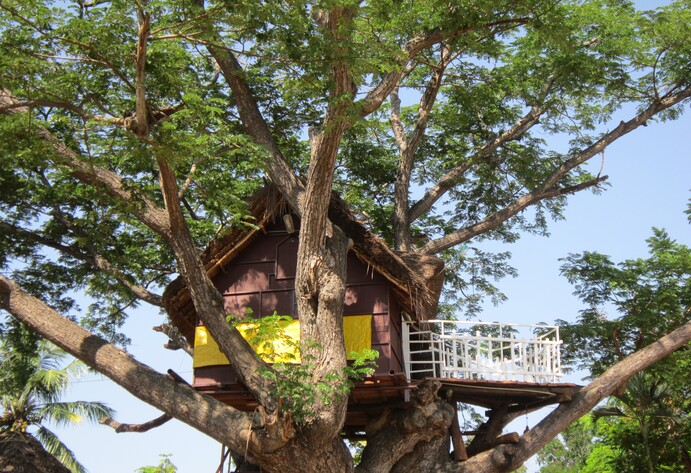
(296, 389)
(470, 273)
(268, 336)
(73, 64)
(648, 428)
(34, 375)
(72, 67)
(569, 452)
(363, 364)
(298, 392)
(356, 448)
(650, 296)
(165, 465)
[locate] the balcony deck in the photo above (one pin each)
(489, 364)
(509, 367)
(482, 351)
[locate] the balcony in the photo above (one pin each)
(482, 351)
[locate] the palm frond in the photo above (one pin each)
(59, 450)
(65, 413)
(607, 411)
(76, 369)
(48, 384)
(51, 357)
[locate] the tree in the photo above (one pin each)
(131, 132)
(33, 378)
(579, 449)
(647, 427)
(164, 466)
(569, 452)
(648, 422)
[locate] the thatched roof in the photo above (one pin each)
(417, 279)
(22, 453)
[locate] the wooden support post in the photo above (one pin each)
(459, 452)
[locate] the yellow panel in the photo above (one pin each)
(285, 349)
(357, 331)
(206, 351)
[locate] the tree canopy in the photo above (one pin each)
(629, 304)
(132, 132)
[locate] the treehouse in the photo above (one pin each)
(389, 306)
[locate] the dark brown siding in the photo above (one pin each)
(261, 280)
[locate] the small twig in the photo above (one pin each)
(142, 122)
(138, 428)
(188, 180)
(602, 164)
(119, 427)
(176, 340)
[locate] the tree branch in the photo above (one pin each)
(277, 166)
(496, 219)
(62, 105)
(321, 256)
(141, 207)
(452, 177)
(208, 302)
(141, 126)
(189, 178)
(412, 48)
(622, 129)
(209, 416)
(549, 187)
(88, 47)
(93, 259)
(376, 96)
(408, 147)
(429, 98)
(139, 428)
(176, 340)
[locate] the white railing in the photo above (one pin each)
(488, 351)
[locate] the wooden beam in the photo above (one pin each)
(459, 452)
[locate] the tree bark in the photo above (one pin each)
(208, 302)
(398, 433)
(321, 258)
(119, 427)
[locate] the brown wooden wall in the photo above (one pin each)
(262, 277)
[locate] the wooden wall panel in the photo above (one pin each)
(261, 279)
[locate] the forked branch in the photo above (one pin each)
(252, 119)
(550, 187)
(139, 428)
(144, 209)
(408, 146)
(454, 175)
